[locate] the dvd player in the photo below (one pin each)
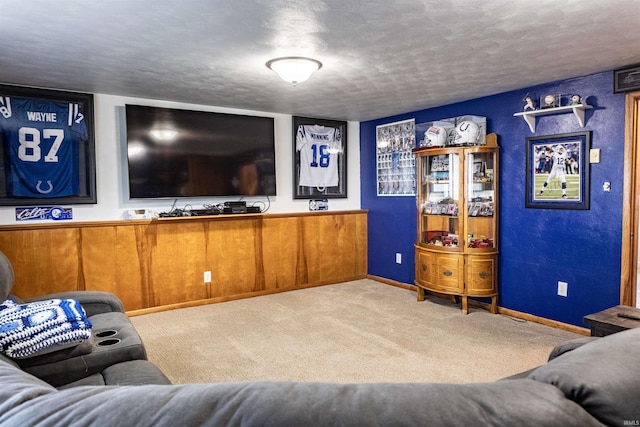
(203, 212)
(240, 209)
(234, 209)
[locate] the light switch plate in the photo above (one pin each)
(594, 155)
(563, 287)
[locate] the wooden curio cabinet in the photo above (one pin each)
(457, 203)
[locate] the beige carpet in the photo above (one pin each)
(360, 331)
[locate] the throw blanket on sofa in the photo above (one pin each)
(35, 328)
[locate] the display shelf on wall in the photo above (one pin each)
(578, 110)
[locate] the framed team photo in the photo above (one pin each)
(319, 158)
(48, 148)
(558, 171)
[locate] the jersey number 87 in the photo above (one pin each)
(30, 139)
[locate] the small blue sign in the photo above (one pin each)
(56, 213)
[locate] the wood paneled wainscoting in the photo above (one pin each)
(158, 264)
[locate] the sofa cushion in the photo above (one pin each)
(27, 330)
(603, 377)
(133, 372)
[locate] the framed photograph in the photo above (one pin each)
(626, 79)
(48, 148)
(558, 171)
(479, 169)
(319, 158)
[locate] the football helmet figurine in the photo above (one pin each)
(466, 133)
(435, 136)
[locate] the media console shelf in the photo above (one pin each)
(578, 111)
(157, 264)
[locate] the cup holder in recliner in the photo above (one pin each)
(104, 334)
(111, 341)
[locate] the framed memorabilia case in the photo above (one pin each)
(48, 148)
(558, 171)
(396, 163)
(319, 158)
(626, 79)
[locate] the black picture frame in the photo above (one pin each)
(544, 188)
(321, 157)
(626, 79)
(86, 151)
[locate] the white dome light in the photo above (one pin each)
(294, 69)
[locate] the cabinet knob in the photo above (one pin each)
(448, 273)
(483, 274)
(424, 267)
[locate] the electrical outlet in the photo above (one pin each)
(207, 277)
(398, 258)
(563, 288)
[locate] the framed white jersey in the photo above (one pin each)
(47, 147)
(320, 150)
(319, 147)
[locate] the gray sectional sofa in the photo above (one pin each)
(586, 382)
(595, 384)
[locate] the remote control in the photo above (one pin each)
(629, 316)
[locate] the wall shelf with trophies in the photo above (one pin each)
(578, 110)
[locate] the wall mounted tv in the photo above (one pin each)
(176, 153)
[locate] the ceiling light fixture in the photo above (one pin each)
(294, 69)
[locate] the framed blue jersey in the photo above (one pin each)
(47, 146)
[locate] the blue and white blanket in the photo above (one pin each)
(27, 330)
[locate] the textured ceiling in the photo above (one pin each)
(381, 57)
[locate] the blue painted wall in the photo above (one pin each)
(538, 247)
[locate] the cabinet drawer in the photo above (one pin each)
(481, 275)
(449, 273)
(424, 267)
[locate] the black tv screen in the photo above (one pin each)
(176, 153)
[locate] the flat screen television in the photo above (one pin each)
(175, 153)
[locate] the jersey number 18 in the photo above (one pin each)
(322, 154)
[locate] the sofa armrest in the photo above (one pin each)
(603, 377)
(93, 302)
(570, 345)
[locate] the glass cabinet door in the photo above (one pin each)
(440, 201)
(481, 200)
